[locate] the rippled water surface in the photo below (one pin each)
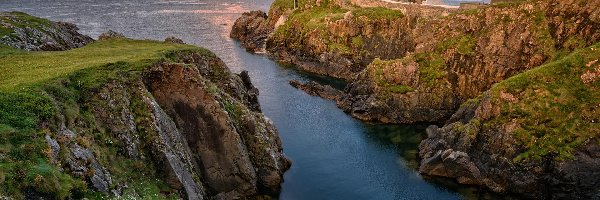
(334, 156)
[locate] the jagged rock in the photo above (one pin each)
(113, 111)
(110, 34)
(237, 152)
(54, 156)
(251, 100)
(486, 143)
(83, 163)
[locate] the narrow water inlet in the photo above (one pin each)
(334, 156)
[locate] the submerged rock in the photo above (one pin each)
(316, 89)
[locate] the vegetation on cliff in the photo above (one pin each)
(555, 106)
(39, 86)
(134, 119)
(540, 123)
(334, 34)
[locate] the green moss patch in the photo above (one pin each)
(377, 72)
(431, 68)
(464, 45)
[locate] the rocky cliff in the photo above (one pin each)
(133, 119)
(459, 56)
(535, 134)
(450, 58)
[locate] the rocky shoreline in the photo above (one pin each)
(413, 67)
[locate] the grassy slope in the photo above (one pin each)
(556, 111)
(26, 81)
(27, 68)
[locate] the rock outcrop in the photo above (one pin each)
(252, 30)
(522, 137)
(22, 31)
(460, 56)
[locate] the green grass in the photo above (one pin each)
(357, 42)
(400, 89)
(7, 51)
(283, 4)
(464, 45)
(289, 4)
(23, 164)
(27, 68)
(337, 47)
(376, 13)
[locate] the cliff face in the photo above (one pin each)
(237, 151)
(22, 31)
(534, 134)
(462, 55)
(164, 121)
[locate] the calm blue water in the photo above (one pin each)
(334, 156)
